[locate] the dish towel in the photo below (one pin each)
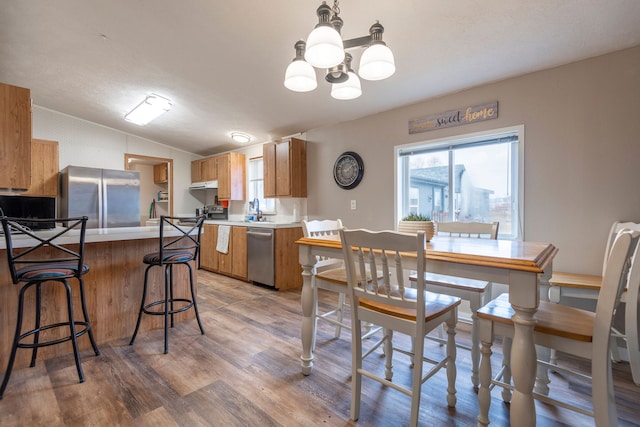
(223, 238)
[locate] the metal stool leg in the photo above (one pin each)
(36, 335)
(16, 339)
(72, 330)
(144, 297)
(193, 299)
(83, 302)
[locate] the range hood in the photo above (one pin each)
(203, 185)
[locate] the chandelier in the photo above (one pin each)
(325, 49)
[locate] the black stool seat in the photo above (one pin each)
(60, 265)
(176, 250)
(175, 256)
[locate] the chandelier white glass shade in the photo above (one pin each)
(325, 48)
(300, 75)
(152, 106)
(350, 88)
(376, 63)
(324, 44)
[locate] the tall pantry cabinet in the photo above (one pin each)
(15, 137)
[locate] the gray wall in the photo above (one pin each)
(582, 148)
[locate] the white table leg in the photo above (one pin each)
(307, 260)
(524, 298)
(523, 368)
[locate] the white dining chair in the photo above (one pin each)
(330, 275)
(578, 332)
(583, 286)
(476, 292)
(395, 307)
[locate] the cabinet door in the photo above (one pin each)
(269, 169)
(44, 168)
(196, 171)
(15, 137)
(225, 262)
(208, 242)
(160, 173)
(283, 169)
(224, 184)
(239, 255)
(298, 167)
(209, 169)
(288, 272)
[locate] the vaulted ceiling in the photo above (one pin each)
(222, 63)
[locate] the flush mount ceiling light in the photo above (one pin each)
(152, 106)
(325, 48)
(240, 137)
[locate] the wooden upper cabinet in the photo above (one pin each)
(15, 137)
(44, 168)
(285, 168)
(209, 169)
(196, 170)
(232, 181)
(161, 173)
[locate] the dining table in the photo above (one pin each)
(520, 265)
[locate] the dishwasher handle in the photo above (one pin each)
(266, 234)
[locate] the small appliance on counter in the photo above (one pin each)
(216, 212)
(30, 207)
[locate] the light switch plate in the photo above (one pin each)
(353, 205)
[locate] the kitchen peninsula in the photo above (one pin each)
(113, 289)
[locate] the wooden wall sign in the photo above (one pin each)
(462, 116)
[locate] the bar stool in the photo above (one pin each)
(175, 250)
(47, 263)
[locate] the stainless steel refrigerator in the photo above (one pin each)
(110, 198)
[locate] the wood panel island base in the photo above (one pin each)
(113, 289)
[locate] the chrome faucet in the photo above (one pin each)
(256, 206)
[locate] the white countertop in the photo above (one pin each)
(93, 235)
(256, 224)
(128, 233)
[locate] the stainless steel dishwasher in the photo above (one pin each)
(260, 265)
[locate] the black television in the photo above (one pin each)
(30, 207)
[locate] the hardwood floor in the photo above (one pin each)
(246, 372)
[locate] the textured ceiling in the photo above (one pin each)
(222, 63)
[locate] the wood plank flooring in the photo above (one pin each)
(246, 372)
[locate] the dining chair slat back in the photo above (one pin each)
(476, 292)
(395, 306)
(557, 327)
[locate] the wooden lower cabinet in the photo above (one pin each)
(208, 258)
(234, 262)
(239, 255)
(287, 269)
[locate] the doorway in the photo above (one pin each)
(156, 185)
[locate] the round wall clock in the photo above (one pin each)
(348, 170)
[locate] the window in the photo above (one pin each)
(467, 178)
(256, 186)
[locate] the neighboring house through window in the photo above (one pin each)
(476, 177)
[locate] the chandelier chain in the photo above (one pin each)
(336, 8)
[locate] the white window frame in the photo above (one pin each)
(267, 206)
(516, 175)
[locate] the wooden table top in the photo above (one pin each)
(506, 254)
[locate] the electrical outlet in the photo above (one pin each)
(353, 205)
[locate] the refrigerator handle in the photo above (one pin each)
(102, 197)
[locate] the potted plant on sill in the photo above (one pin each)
(413, 223)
